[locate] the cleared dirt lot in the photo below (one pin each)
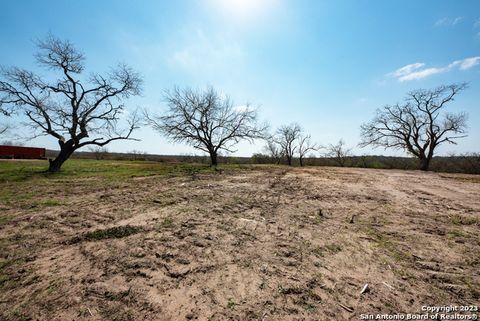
(255, 244)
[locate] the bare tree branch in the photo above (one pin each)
(3, 129)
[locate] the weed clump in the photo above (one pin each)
(109, 233)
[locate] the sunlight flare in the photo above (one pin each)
(243, 9)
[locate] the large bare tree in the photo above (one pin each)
(206, 120)
(418, 125)
(75, 112)
(286, 137)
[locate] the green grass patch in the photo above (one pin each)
(231, 304)
(109, 233)
(310, 307)
(320, 251)
(17, 171)
(20, 170)
(10, 194)
(14, 195)
(4, 219)
(167, 222)
(52, 286)
(462, 220)
(403, 273)
(22, 182)
(5, 263)
(389, 246)
(456, 234)
(26, 170)
(50, 202)
(5, 279)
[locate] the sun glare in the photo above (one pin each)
(243, 9)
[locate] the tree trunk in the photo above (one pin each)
(424, 163)
(289, 161)
(301, 161)
(213, 158)
(66, 150)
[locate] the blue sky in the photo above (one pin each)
(324, 64)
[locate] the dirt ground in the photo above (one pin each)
(261, 244)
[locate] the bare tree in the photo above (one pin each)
(339, 152)
(273, 150)
(207, 121)
(304, 146)
(286, 137)
(417, 125)
(11, 143)
(99, 152)
(138, 154)
(65, 108)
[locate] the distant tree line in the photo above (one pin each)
(90, 112)
(468, 163)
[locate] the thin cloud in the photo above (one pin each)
(466, 64)
(419, 71)
(200, 52)
(423, 73)
(476, 24)
(457, 20)
(407, 70)
(448, 21)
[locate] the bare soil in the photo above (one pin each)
(262, 244)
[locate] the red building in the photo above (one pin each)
(21, 152)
